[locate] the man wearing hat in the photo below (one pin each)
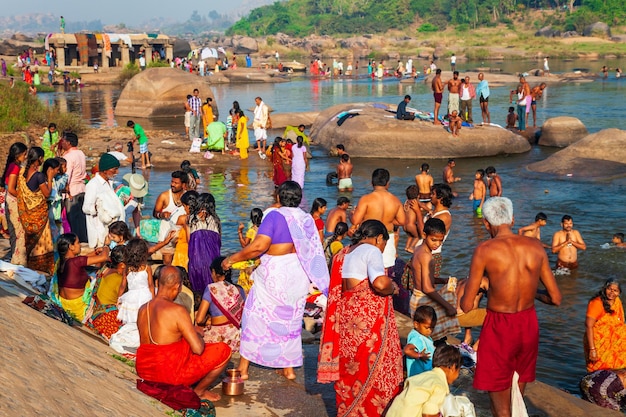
(102, 206)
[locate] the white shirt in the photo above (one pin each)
(453, 59)
(101, 207)
(366, 261)
(465, 93)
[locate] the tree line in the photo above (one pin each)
(327, 17)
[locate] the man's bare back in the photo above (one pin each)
(344, 170)
(379, 205)
(437, 84)
(424, 182)
(335, 215)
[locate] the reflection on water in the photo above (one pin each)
(238, 189)
(96, 103)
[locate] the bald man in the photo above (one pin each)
(172, 350)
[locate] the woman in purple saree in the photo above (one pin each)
(292, 258)
(205, 241)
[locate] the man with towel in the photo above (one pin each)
(509, 340)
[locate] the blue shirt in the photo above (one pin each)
(417, 366)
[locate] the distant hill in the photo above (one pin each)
(331, 17)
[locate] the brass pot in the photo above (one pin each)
(232, 384)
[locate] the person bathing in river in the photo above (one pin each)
(566, 243)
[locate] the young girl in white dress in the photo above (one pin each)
(138, 279)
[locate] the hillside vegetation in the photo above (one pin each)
(329, 17)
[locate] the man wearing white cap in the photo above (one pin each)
(102, 206)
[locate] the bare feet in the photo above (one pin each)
(287, 373)
(437, 122)
(208, 395)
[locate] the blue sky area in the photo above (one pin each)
(125, 11)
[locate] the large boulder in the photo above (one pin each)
(245, 45)
(601, 154)
(546, 31)
(562, 131)
(376, 133)
(598, 29)
(159, 92)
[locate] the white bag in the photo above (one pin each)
(457, 406)
(195, 145)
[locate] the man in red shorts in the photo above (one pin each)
(171, 351)
(509, 340)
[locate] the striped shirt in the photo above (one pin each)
(195, 104)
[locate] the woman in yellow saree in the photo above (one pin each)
(243, 141)
(207, 114)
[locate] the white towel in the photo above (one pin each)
(518, 408)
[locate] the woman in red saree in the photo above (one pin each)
(605, 338)
(360, 347)
(279, 158)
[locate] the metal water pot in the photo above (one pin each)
(232, 384)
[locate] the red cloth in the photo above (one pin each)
(319, 224)
(280, 175)
(360, 347)
(176, 364)
(509, 342)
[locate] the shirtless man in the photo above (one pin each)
(383, 206)
(344, 173)
(566, 243)
(437, 86)
(536, 94)
(168, 208)
(337, 214)
(172, 350)
(509, 340)
(494, 181)
(534, 229)
(448, 173)
(425, 183)
(454, 87)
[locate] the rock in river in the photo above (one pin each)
(376, 133)
(599, 155)
(159, 92)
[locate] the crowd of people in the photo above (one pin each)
(185, 318)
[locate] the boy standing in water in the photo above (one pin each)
(140, 136)
(478, 194)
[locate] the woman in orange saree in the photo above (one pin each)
(605, 338)
(33, 189)
(360, 347)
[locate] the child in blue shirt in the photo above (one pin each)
(420, 348)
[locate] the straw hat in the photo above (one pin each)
(137, 183)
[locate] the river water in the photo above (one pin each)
(597, 208)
